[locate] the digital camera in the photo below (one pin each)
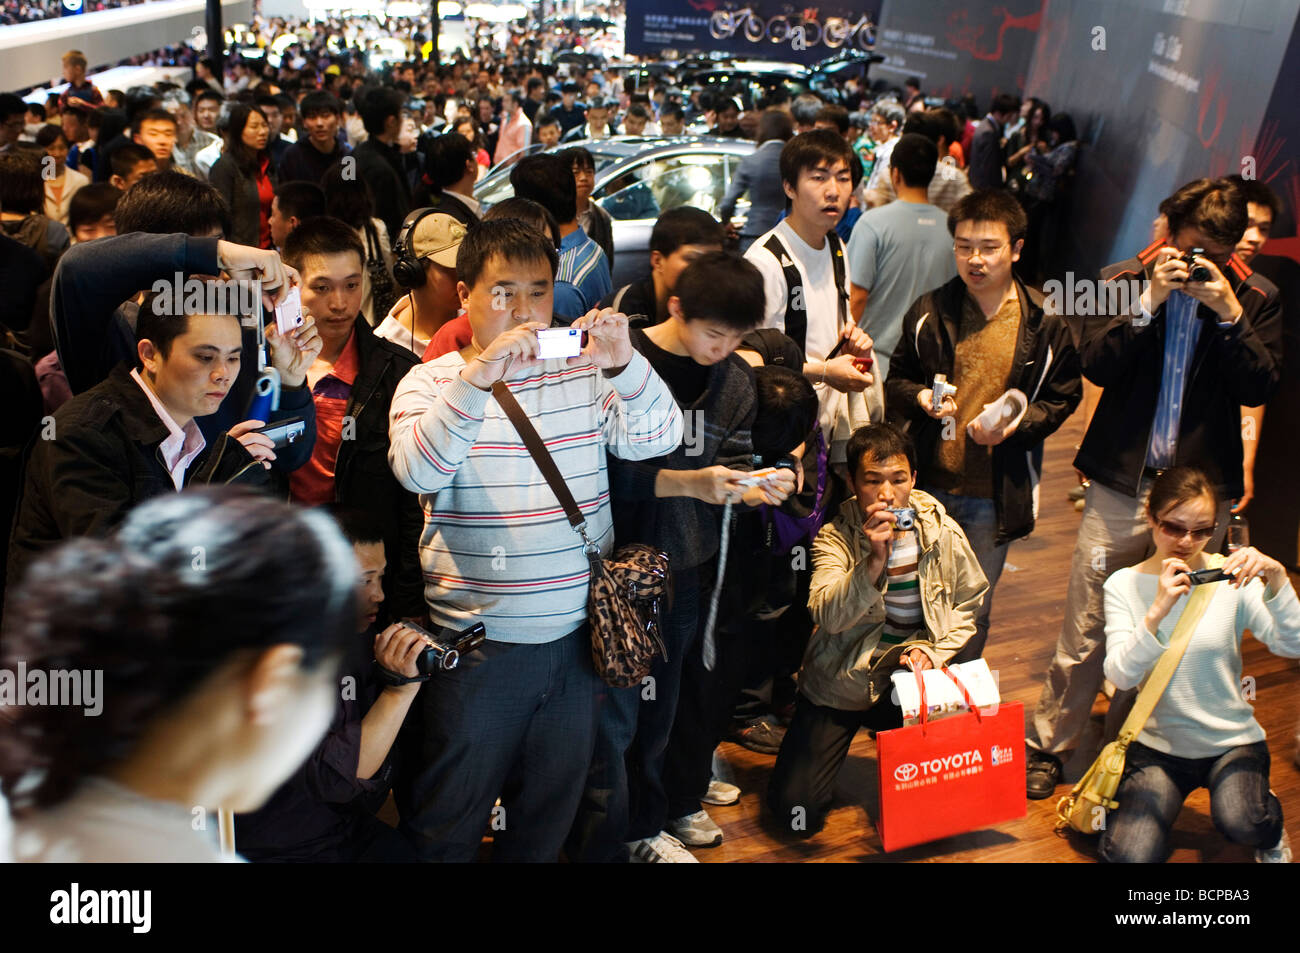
(443, 651)
(905, 518)
(941, 390)
(1195, 272)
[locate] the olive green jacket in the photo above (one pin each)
(848, 607)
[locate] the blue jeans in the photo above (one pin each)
(625, 799)
(978, 518)
(514, 721)
(1155, 785)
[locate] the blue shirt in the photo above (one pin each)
(1182, 331)
(582, 278)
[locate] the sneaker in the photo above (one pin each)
(720, 793)
(696, 830)
(663, 848)
(762, 735)
(1078, 492)
(1279, 854)
(1042, 775)
(1078, 506)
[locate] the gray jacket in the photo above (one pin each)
(759, 175)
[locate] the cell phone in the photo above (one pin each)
(765, 475)
(863, 364)
(288, 313)
(560, 342)
(1199, 577)
(284, 432)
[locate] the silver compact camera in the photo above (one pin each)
(904, 518)
(941, 390)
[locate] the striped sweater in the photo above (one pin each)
(496, 546)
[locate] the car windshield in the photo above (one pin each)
(496, 187)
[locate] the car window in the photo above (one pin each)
(649, 189)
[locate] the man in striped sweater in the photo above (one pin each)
(497, 549)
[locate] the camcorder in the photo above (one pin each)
(1199, 577)
(443, 652)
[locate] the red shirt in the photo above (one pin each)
(452, 336)
(265, 192)
(313, 482)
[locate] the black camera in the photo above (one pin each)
(1195, 272)
(443, 651)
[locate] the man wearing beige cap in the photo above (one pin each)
(425, 267)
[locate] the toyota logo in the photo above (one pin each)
(905, 772)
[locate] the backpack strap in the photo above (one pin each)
(796, 305)
(618, 298)
(841, 282)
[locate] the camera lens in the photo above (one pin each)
(450, 660)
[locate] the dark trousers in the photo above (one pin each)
(624, 799)
(1155, 785)
(515, 721)
(704, 708)
(815, 746)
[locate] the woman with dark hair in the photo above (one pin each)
(22, 207)
(1202, 732)
(348, 198)
(759, 176)
(1035, 115)
(244, 176)
(1051, 169)
(468, 128)
(213, 623)
(61, 183)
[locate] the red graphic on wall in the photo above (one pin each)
(702, 4)
(970, 37)
(1208, 100)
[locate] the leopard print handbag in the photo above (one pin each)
(627, 591)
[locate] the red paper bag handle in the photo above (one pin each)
(925, 709)
(964, 694)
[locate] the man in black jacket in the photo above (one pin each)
(987, 334)
(1182, 347)
(352, 384)
(379, 161)
(986, 153)
(134, 436)
(680, 236)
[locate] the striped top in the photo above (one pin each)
(903, 616)
(582, 277)
(496, 546)
(1182, 331)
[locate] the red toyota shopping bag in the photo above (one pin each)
(950, 776)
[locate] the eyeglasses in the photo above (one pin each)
(984, 251)
(1177, 531)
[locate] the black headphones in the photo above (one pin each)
(408, 269)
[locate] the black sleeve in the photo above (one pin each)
(1251, 352)
(1058, 395)
(907, 377)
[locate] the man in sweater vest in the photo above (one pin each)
(517, 718)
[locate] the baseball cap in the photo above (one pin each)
(438, 238)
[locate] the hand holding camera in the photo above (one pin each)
(510, 350)
(259, 445)
(1196, 276)
(397, 649)
(1248, 562)
(293, 341)
(938, 400)
(879, 525)
(608, 346)
(1174, 583)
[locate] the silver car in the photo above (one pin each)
(638, 178)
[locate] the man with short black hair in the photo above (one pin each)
(949, 183)
(884, 597)
(987, 157)
(899, 250)
(379, 162)
(292, 204)
(13, 113)
(806, 279)
(569, 113)
(680, 235)
(547, 130)
(450, 171)
(309, 158)
(596, 126)
(155, 129)
(582, 277)
(672, 120)
(987, 334)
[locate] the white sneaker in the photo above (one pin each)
(696, 830)
(663, 848)
(720, 793)
(1279, 854)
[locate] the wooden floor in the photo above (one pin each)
(1024, 626)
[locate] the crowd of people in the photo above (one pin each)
(816, 380)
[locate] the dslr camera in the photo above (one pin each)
(1195, 272)
(443, 651)
(941, 390)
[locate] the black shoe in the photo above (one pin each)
(1042, 775)
(763, 735)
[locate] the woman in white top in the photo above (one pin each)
(1203, 732)
(64, 183)
(207, 633)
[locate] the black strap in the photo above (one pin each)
(541, 456)
(841, 286)
(796, 319)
